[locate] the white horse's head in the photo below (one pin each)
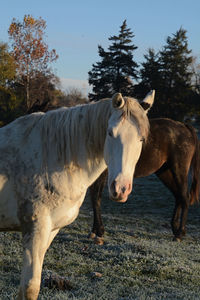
(128, 128)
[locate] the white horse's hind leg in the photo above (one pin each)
(35, 242)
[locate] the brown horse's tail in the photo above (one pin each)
(195, 168)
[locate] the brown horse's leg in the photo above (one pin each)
(180, 217)
(175, 222)
(96, 190)
(178, 186)
(182, 196)
(184, 213)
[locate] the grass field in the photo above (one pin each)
(139, 260)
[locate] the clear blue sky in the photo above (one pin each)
(76, 27)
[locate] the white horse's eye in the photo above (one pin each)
(142, 139)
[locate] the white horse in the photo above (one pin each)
(47, 162)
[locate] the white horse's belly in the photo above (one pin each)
(8, 206)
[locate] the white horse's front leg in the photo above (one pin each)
(36, 240)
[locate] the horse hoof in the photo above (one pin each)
(91, 235)
(177, 239)
(99, 240)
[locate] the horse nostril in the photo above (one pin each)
(123, 189)
(115, 194)
(113, 188)
(113, 185)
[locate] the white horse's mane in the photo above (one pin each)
(76, 131)
(73, 132)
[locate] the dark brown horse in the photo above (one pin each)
(172, 149)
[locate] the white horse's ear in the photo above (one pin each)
(148, 101)
(118, 100)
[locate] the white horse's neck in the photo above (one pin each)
(74, 140)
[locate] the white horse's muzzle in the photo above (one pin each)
(120, 192)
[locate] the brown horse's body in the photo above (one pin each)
(171, 150)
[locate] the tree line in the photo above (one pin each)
(28, 83)
(172, 72)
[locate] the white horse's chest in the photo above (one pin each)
(72, 190)
(64, 198)
(66, 213)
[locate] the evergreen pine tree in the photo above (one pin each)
(115, 71)
(175, 61)
(100, 77)
(149, 74)
(169, 73)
